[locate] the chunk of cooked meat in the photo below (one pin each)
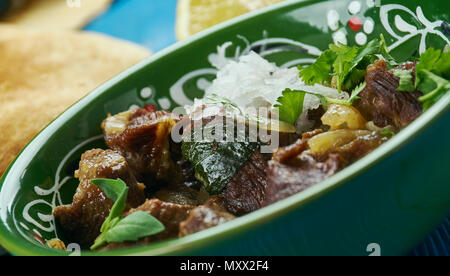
(296, 168)
(246, 191)
(180, 193)
(298, 172)
(381, 102)
(169, 214)
(82, 220)
(211, 214)
(143, 137)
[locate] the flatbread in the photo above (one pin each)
(42, 73)
(57, 14)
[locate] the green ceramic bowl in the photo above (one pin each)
(389, 201)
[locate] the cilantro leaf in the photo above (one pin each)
(290, 105)
(117, 191)
(319, 71)
(434, 88)
(426, 62)
(355, 93)
(345, 66)
(406, 80)
(431, 73)
(367, 55)
(384, 52)
(343, 63)
(442, 66)
(133, 227)
(355, 77)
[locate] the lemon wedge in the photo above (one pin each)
(194, 16)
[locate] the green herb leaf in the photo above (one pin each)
(347, 64)
(388, 132)
(406, 80)
(217, 161)
(355, 93)
(431, 73)
(367, 55)
(319, 71)
(384, 52)
(117, 191)
(99, 242)
(290, 105)
(426, 62)
(442, 66)
(133, 227)
(343, 63)
(433, 86)
(355, 78)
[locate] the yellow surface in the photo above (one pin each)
(57, 14)
(44, 72)
(196, 15)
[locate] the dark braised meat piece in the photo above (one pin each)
(291, 172)
(359, 147)
(246, 191)
(296, 167)
(82, 220)
(143, 137)
(211, 214)
(381, 102)
(180, 193)
(169, 214)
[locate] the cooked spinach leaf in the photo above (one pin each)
(217, 161)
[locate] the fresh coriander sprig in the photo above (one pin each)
(431, 77)
(346, 65)
(117, 229)
(434, 88)
(406, 80)
(290, 104)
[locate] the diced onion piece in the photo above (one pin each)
(327, 141)
(373, 127)
(267, 124)
(340, 116)
(56, 244)
(116, 124)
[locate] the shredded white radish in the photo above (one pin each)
(253, 82)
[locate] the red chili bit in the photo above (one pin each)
(39, 238)
(150, 108)
(355, 24)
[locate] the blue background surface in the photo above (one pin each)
(147, 22)
(152, 23)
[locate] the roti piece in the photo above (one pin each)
(57, 14)
(42, 73)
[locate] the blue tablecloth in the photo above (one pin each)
(152, 23)
(147, 22)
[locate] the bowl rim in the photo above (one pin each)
(19, 246)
